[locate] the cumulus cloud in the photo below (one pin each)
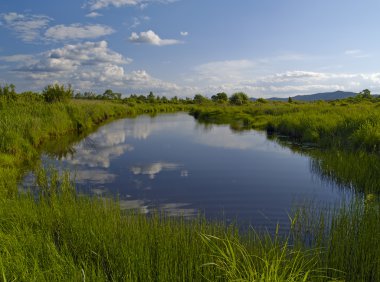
(26, 27)
(250, 76)
(184, 33)
(88, 66)
(150, 37)
(72, 56)
(77, 31)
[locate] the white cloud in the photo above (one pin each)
(70, 57)
(136, 21)
(88, 66)
(357, 53)
(150, 37)
(93, 15)
(27, 27)
(259, 79)
(77, 31)
(101, 4)
(184, 33)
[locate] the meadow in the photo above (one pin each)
(55, 234)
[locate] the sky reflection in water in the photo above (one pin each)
(172, 163)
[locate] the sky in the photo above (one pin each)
(264, 48)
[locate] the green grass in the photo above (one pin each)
(346, 124)
(60, 236)
(28, 123)
(57, 235)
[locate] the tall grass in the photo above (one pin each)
(27, 123)
(348, 234)
(57, 235)
(342, 124)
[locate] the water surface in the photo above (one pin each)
(172, 163)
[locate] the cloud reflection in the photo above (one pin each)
(152, 169)
(94, 176)
(221, 136)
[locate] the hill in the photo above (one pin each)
(319, 96)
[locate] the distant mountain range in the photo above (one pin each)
(319, 96)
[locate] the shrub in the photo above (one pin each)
(57, 93)
(8, 92)
(239, 98)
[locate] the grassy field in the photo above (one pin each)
(57, 235)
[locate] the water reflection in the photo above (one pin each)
(154, 168)
(173, 164)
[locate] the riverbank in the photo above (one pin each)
(27, 123)
(344, 124)
(64, 236)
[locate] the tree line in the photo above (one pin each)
(61, 93)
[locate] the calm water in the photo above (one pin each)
(172, 163)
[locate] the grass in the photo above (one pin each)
(57, 235)
(28, 123)
(60, 236)
(346, 124)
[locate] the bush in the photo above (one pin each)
(239, 98)
(8, 92)
(57, 93)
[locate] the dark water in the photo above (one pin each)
(172, 163)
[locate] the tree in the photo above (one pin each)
(57, 93)
(199, 99)
(8, 91)
(239, 98)
(174, 100)
(110, 95)
(290, 100)
(365, 94)
(151, 98)
(220, 98)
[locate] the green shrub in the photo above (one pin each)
(57, 93)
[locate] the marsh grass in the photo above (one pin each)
(58, 235)
(345, 124)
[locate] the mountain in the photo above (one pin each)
(319, 96)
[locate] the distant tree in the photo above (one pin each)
(8, 92)
(365, 94)
(220, 98)
(164, 100)
(78, 95)
(239, 98)
(110, 95)
(57, 93)
(199, 99)
(151, 98)
(261, 100)
(141, 99)
(174, 100)
(89, 95)
(290, 100)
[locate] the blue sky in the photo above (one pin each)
(183, 47)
